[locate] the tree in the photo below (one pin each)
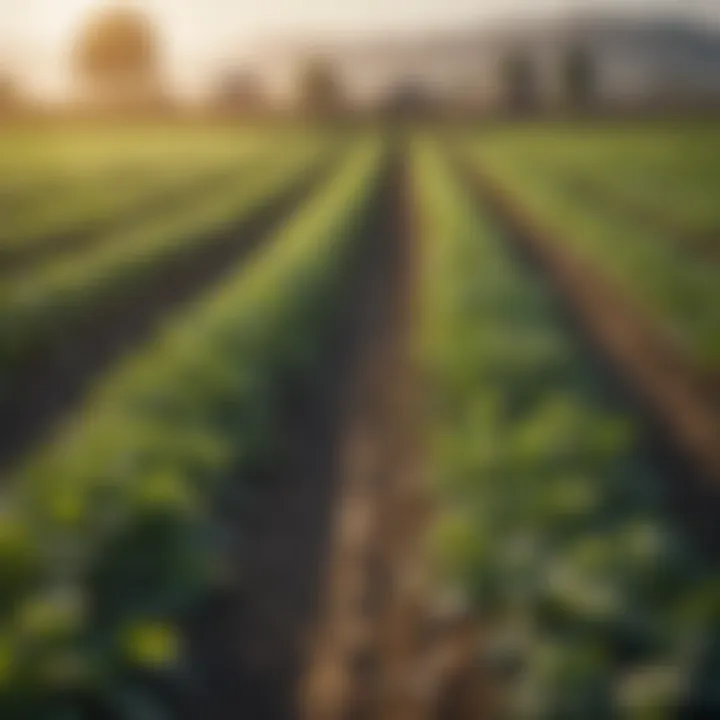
(579, 77)
(117, 55)
(320, 90)
(408, 100)
(9, 94)
(239, 91)
(519, 83)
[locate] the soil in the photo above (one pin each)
(53, 381)
(368, 606)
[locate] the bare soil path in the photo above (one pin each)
(370, 568)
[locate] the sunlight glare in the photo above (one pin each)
(60, 20)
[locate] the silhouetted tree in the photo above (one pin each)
(519, 83)
(9, 94)
(579, 77)
(117, 54)
(239, 91)
(408, 99)
(320, 89)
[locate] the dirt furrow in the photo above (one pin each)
(362, 658)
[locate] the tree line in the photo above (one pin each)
(117, 61)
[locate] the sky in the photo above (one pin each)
(200, 36)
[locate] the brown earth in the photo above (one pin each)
(378, 509)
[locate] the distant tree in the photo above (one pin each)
(519, 83)
(239, 91)
(117, 53)
(320, 89)
(579, 77)
(408, 99)
(9, 94)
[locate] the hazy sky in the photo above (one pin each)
(200, 34)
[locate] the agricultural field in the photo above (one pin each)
(641, 204)
(303, 423)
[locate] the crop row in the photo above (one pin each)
(67, 203)
(679, 290)
(42, 162)
(108, 537)
(100, 196)
(598, 195)
(552, 522)
(95, 218)
(50, 186)
(38, 308)
(672, 172)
